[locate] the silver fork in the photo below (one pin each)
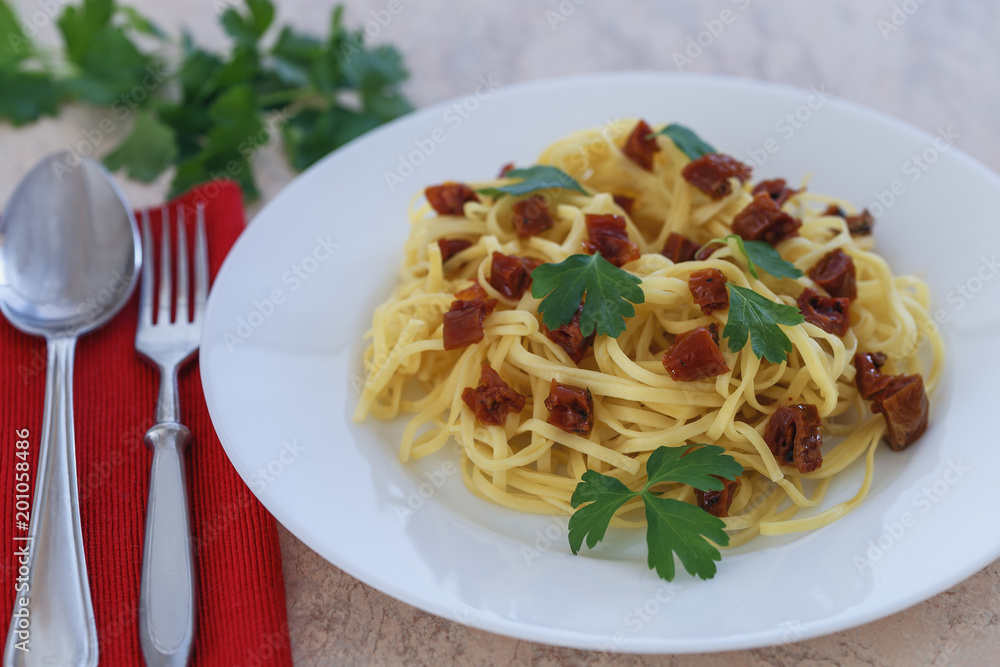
(167, 592)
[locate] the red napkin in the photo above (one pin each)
(241, 617)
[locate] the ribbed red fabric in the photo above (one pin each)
(241, 615)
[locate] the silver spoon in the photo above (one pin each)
(69, 257)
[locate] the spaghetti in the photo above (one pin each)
(532, 465)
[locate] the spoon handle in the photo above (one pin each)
(57, 626)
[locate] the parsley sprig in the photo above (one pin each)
(206, 113)
(673, 526)
(759, 253)
(608, 291)
(532, 179)
(756, 316)
(687, 141)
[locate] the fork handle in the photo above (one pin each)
(167, 593)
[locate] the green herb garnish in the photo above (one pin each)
(608, 290)
(539, 177)
(687, 141)
(759, 253)
(673, 526)
(206, 113)
(756, 316)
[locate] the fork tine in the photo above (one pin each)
(200, 266)
(163, 313)
(146, 295)
(182, 269)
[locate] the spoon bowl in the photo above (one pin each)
(69, 257)
(69, 249)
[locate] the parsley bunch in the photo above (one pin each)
(206, 113)
(672, 526)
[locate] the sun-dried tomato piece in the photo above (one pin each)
(451, 247)
(708, 287)
(449, 198)
(641, 146)
(570, 408)
(625, 202)
(860, 224)
(504, 170)
(711, 173)
(679, 248)
(493, 400)
(777, 189)
(511, 275)
(570, 338)
(904, 406)
(530, 216)
(473, 292)
(835, 273)
(901, 399)
(463, 322)
(694, 356)
(831, 314)
(717, 503)
(794, 438)
(762, 220)
(869, 377)
(607, 235)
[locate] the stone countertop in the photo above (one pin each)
(928, 62)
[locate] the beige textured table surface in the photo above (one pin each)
(930, 62)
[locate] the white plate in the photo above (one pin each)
(280, 365)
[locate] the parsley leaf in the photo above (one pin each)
(756, 316)
(608, 290)
(246, 28)
(539, 177)
(699, 467)
(675, 526)
(605, 495)
(764, 255)
(14, 46)
(687, 141)
(149, 150)
(35, 95)
(672, 526)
